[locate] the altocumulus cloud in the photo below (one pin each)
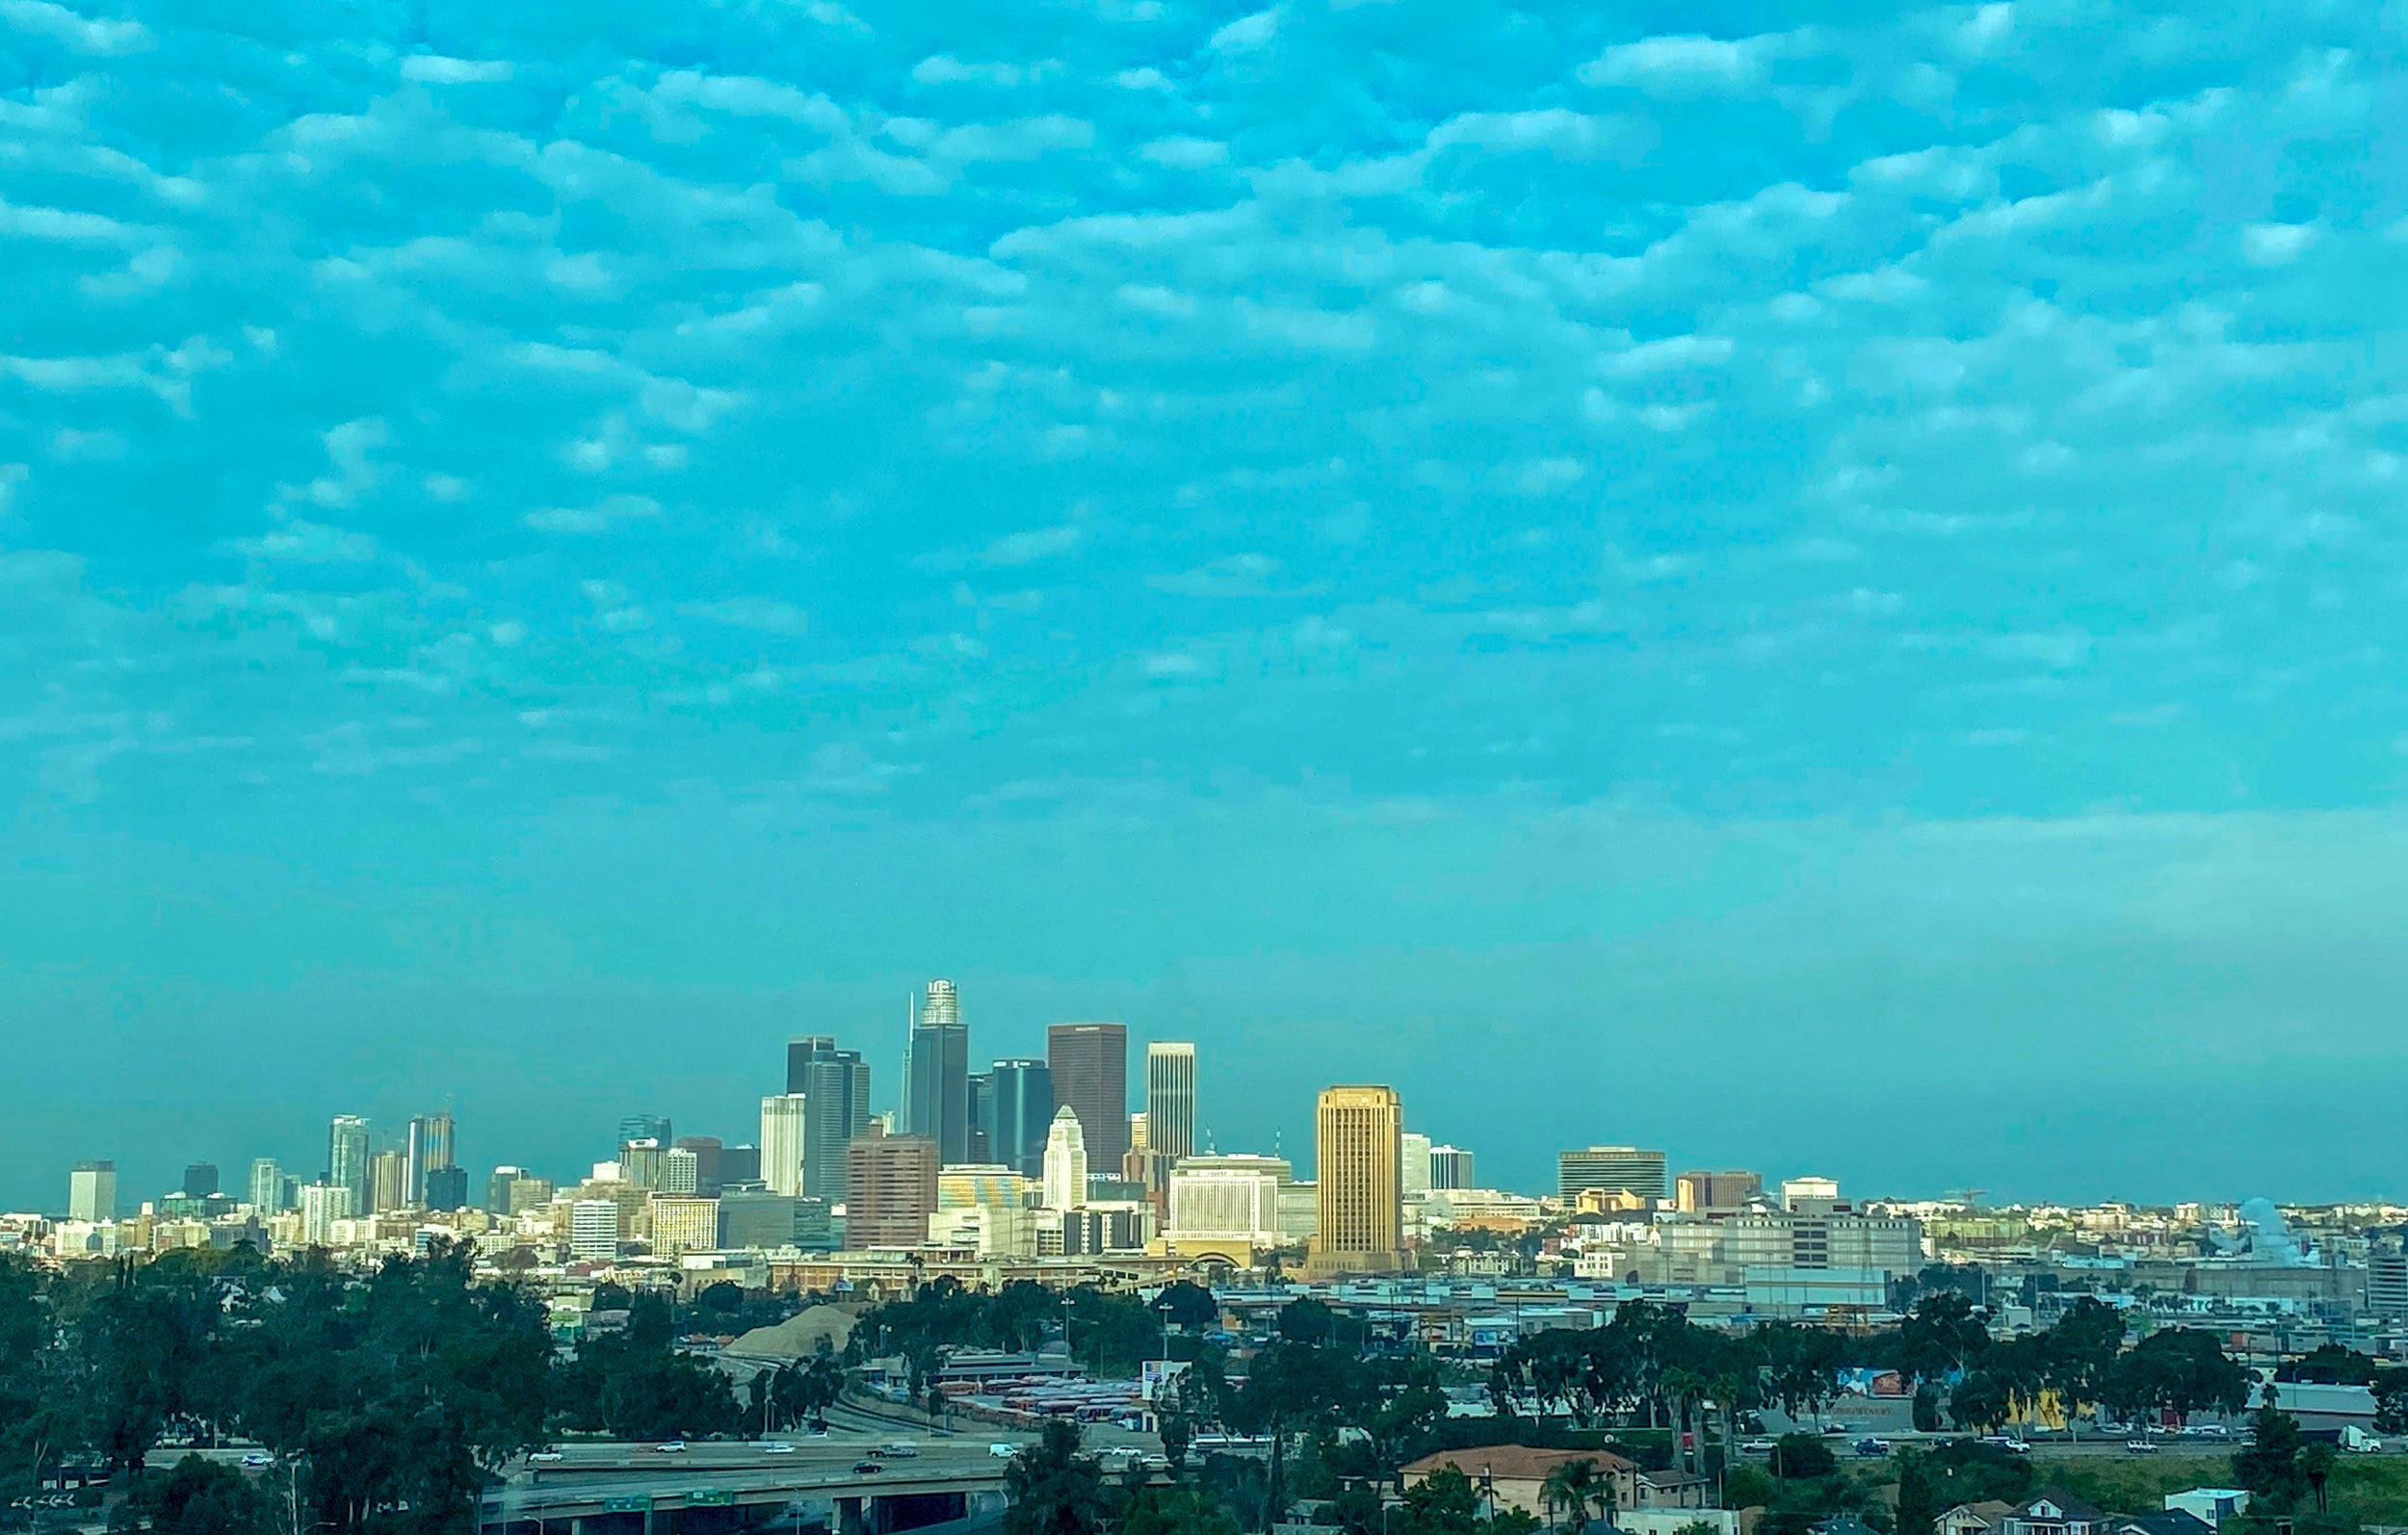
(1956, 415)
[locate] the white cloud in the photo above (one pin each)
(763, 613)
(80, 33)
(599, 517)
(1034, 544)
(2276, 245)
(432, 68)
(1687, 63)
(1247, 32)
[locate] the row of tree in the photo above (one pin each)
(1652, 1366)
(389, 1399)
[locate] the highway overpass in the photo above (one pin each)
(732, 1489)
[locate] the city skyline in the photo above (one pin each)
(390, 1152)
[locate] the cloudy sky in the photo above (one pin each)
(1828, 596)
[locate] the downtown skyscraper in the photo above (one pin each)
(936, 1075)
(1091, 1067)
(835, 1086)
(347, 1159)
(1022, 1093)
(1170, 1099)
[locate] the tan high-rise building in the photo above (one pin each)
(388, 1182)
(890, 1189)
(1358, 1140)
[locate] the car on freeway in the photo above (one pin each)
(671, 1447)
(1003, 1451)
(256, 1462)
(545, 1457)
(2140, 1446)
(1838, 1430)
(902, 1450)
(1758, 1446)
(1156, 1463)
(866, 1468)
(1872, 1449)
(2007, 1443)
(774, 1447)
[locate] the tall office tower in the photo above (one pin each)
(1696, 1192)
(347, 1159)
(836, 1084)
(1610, 1169)
(640, 1162)
(982, 1116)
(322, 1204)
(593, 1230)
(430, 1148)
(1358, 1148)
(498, 1189)
(1170, 1098)
(785, 1120)
(388, 1182)
(200, 1179)
(1065, 1161)
(1415, 1150)
(1451, 1168)
(706, 1149)
(681, 1171)
(92, 1191)
(645, 1126)
(267, 1186)
(936, 1096)
(1023, 1111)
(890, 1189)
(1140, 1135)
(447, 1189)
(1091, 1065)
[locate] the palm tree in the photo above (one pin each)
(1574, 1488)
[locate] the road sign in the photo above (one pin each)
(627, 1505)
(710, 1497)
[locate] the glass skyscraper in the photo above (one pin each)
(347, 1159)
(937, 1090)
(835, 1084)
(1023, 1095)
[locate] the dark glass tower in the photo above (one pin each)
(1090, 1064)
(1023, 1096)
(835, 1086)
(936, 1097)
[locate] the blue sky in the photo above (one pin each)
(1828, 596)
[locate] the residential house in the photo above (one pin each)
(2054, 1513)
(1973, 1519)
(1515, 1475)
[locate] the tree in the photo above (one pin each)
(2079, 1354)
(1443, 1503)
(1185, 1304)
(204, 1497)
(1290, 1388)
(1573, 1490)
(2316, 1467)
(1174, 1510)
(2270, 1465)
(1054, 1488)
(1306, 1320)
(2176, 1372)
(1797, 1456)
(1941, 1336)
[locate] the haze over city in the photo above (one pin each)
(1821, 597)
